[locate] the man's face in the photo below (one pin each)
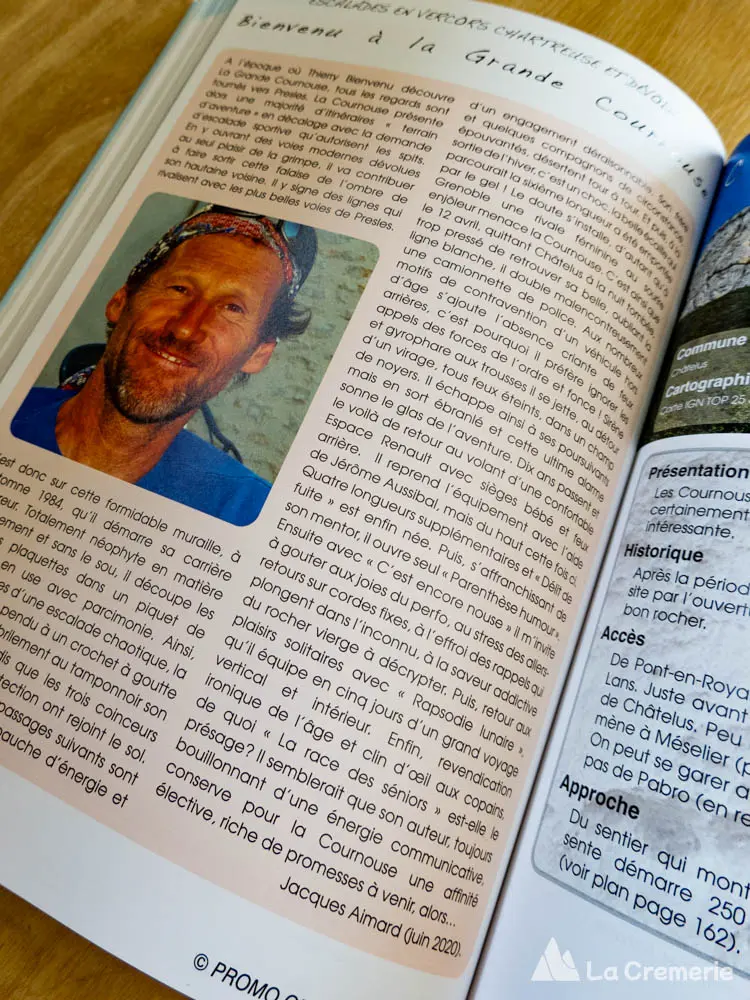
(193, 324)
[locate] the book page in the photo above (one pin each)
(644, 809)
(306, 475)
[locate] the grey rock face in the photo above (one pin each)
(724, 265)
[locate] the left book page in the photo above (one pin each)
(292, 566)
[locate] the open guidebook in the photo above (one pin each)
(349, 646)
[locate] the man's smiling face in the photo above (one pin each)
(194, 323)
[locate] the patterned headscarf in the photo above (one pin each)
(294, 245)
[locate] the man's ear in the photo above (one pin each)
(259, 358)
(116, 304)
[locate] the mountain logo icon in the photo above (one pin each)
(555, 967)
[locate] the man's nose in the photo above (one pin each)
(190, 322)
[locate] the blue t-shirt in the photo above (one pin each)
(190, 471)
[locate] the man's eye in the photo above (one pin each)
(235, 307)
(179, 288)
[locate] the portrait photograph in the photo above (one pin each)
(191, 363)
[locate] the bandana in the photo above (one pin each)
(259, 228)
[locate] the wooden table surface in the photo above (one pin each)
(66, 71)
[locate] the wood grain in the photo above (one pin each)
(66, 71)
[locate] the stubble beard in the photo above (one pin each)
(144, 400)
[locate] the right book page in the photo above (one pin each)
(643, 808)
